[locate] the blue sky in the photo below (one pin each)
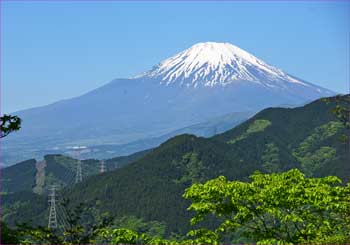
(57, 50)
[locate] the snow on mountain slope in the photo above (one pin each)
(213, 64)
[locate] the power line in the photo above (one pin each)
(62, 217)
(52, 224)
(78, 176)
(57, 214)
(77, 151)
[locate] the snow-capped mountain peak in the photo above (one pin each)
(212, 64)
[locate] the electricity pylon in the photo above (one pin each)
(102, 166)
(78, 175)
(52, 224)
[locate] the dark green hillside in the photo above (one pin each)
(118, 162)
(276, 139)
(152, 187)
(19, 181)
(288, 124)
(24, 206)
(18, 177)
(59, 170)
(62, 169)
(303, 136)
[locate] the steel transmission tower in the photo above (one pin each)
(78, 175)
(102, 166)
(52, 224)
(77, 150)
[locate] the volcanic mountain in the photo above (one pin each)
(206, 81)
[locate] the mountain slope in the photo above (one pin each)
(22, 173)
(218, 64)
(56, 169)
(205, 81)
(159, 179)
(276, 139)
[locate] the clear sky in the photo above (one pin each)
(56, 50)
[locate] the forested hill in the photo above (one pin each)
(37, 176)
(276, 139)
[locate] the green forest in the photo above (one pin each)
(281, 177)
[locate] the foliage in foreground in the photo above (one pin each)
(278, 208)
(9, 124)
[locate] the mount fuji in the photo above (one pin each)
(206, 81)
(217, 64)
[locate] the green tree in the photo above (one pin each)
(270, 158)
(342, 109)
(151, 228)
(81, 227)
(276, 208)
(8, 235)
(9, 124)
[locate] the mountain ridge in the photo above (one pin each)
(213, 63)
